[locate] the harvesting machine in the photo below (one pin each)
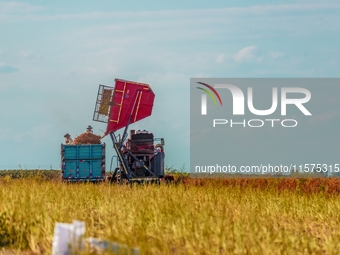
(141, 155)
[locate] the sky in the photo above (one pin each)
(54, 54)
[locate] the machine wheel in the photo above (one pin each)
(117, 176)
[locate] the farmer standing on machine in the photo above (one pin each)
(68, 139)
(89, 130)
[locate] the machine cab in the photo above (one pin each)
(142, 145)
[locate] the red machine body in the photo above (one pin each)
(128, 99)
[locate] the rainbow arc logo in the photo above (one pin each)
(204, 97)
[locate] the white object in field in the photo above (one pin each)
(68, 237)
(117, 248)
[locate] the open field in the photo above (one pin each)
(233, 216)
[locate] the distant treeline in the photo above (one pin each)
(18, 174)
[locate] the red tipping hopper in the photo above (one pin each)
(115, 105)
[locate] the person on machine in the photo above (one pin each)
(89, 130)
(68, 139)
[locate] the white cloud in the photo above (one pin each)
(15, 7)
(245, 54)
(38, 134)
(275, 54)
(41, 132)
(220, 58)
(283, 7)
(18, 137)
(248, 54)
(324, 117)
(4, 134)
(259, 59)
(9, 9)
(28, 54)
(12, 7)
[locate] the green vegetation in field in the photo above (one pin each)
(56, 174)
(173, 219)
(42, 174)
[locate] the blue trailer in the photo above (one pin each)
(83, 162)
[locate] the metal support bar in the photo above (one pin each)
(121, 158)
(114, 156)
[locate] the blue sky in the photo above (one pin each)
(54, 54)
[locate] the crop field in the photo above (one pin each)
(191, 216)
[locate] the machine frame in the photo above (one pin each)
(103, 112)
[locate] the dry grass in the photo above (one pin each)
(190, 218)
(87, 138)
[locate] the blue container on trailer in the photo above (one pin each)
(83, 162)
